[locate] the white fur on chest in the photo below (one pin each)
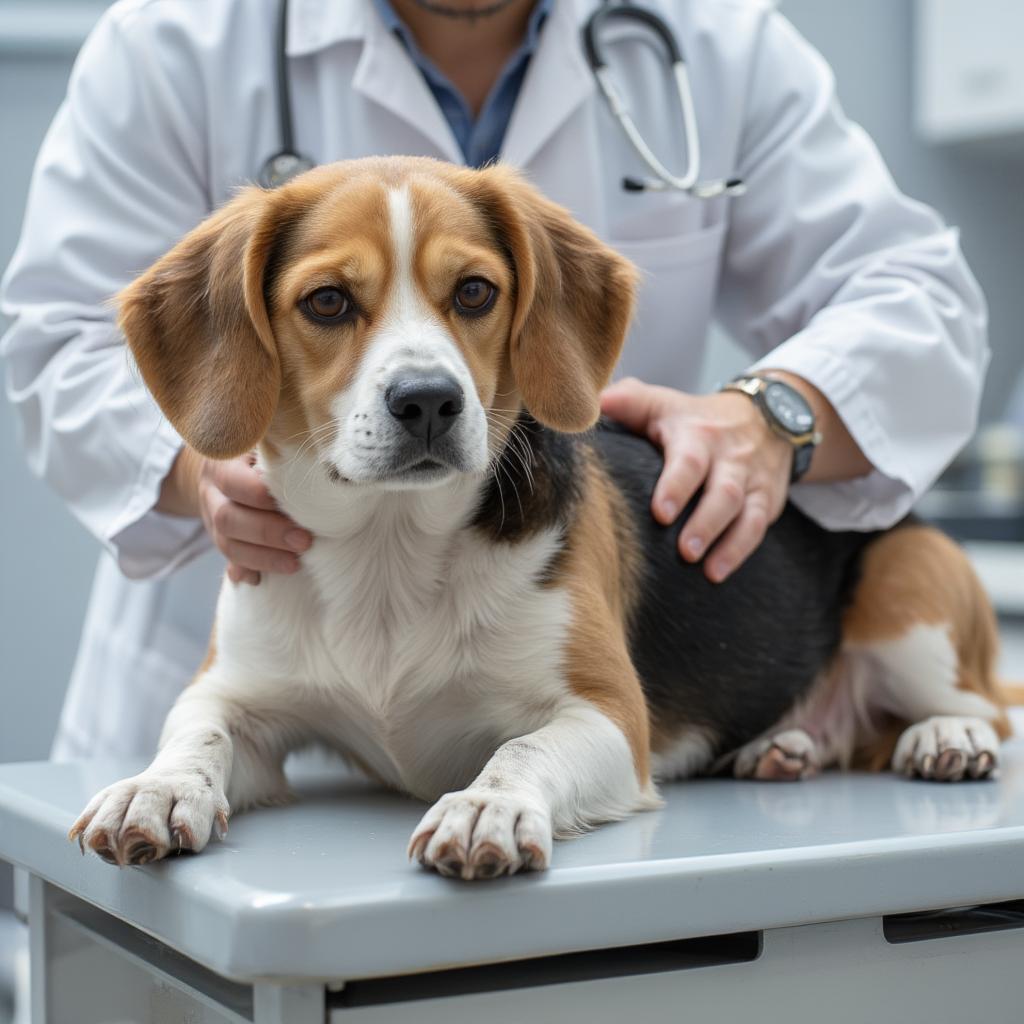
(418, 650)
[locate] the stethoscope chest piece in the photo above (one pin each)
(282, 167)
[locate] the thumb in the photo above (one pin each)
(632, 403)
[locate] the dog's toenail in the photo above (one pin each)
(141, 853)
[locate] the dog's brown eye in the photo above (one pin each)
(328, 304)
(475, 296)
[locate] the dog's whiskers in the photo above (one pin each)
(326, 430)
(517, 445)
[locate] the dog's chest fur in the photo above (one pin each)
(416, 652)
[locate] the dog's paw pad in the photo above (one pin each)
(948, 748)
(786, 756)
(482, 835)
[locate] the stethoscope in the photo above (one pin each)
(689, 181)
(287, 162)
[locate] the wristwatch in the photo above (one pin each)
(787, 413)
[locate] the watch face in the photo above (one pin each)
(788, 407)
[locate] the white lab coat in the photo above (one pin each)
(823, 264)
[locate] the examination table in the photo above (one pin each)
(827, 900)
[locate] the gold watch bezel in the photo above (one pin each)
(753, 387)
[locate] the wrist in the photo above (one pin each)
(179, 492)
(785, 414)
(838, 456)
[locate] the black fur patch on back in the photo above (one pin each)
(535, 483)
(732, 657)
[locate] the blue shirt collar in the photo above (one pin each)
(479, 138)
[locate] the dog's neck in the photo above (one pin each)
(534, 483)
(531, 485)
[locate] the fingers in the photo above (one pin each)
(238, 480)
(239, 575)
(254, 526)
(686, 467)
(259, 559)
(723, 500)
(242, 518)
(633, 404)
(718, 442)
(740, 540)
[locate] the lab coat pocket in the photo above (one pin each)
(676, 298)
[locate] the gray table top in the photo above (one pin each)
(322, 889)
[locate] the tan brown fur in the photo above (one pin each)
(574, 300)
(197, 325)
(334, 244)
(601, 574)
(209, 658)
(916, 575)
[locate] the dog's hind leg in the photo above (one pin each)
(921, 637)
(913, 685)
(784, 755)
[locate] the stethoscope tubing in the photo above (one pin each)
(689, 181)
(287, 162)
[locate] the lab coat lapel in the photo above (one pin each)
(384, 74)
(557, 82)
(387, 76)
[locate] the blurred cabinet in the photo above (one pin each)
(970, 70)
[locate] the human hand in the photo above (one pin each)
(244, 522)
(722, 442)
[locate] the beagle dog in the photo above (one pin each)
(489, 618)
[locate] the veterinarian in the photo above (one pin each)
(857, 297)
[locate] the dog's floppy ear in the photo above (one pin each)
(198, 326)
(574, 301)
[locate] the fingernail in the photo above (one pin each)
(669, 509)
(287, 565)
(694, 546)
(298, 540)
(719, 571)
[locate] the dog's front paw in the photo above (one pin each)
(146, 817)
(946, 748)
(480, 834)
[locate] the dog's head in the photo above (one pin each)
(393, 315)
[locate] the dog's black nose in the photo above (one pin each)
(426, 406)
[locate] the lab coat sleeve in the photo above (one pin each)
(119, 179)
(831, 273)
